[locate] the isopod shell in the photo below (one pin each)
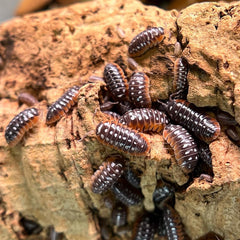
(173, 224)
(205, 153)
(119, 215)
(139, 90)
(20, 124)
(27, 98)
(184, 146)
(59, 108)
(107, 174)
(145, 40)
(145, 120)
(201, 125)
(126, 193)
(116, 81)
(132, 177)
(122, 138)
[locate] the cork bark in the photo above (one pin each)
(47, 176)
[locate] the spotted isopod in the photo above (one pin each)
(20, 124)
(201, 125)
(145, 40)
(184, 146)
(173, 224)
(122, 138)
(180, 81)
(126, 193)
(116, 81)
(139, 90)
(58, 109)
(107, 174)
(112, 115)
(145, 120)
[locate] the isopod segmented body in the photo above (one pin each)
(126, 193)
(132, 178)
(202, 126)
(58, 109)
(145, 120)
(20, 124)
(180, 81)
(184, 146)
(145, 40)
(205, 153)
(116, 81)
(139, 90)
(112, 115)
(27, 98)
(144, 228)
(173, 224)
(107, 174)
(119, 215)
(122, 138)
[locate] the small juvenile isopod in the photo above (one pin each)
(122, 138)
(126, 193)
(132, 177)
(27, 98)
(173, 224)
(184, 146)
(116, 81)
(201, 125)
(205, 153)
(145, 40)
(139, 90)
(20, 124)
(107, 174)
(225, 119)
(144, 228)
(145, 120)
(58, 109)
(180, 81)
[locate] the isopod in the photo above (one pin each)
(145, 40)
(58, 109)
(119, 215)
(184, 146)
(126, 193)
(139, 90)
(122, 138)
(107, 174)
(144, 228)
(173, 224)
(180, 81)
(27, 98)
(205, 153)
(112, 115)
(30, 226)
(116, 81)
(201, 125)
(145, 120)
(132, 178)
(20, 124)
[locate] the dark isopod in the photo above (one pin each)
(116, 81)
(225, 119)
(20, 124)
(145, 120)
(30, 226)
(180, 81)
(107, 174)
(122, 138)
(145, 40)
(132, 177)
(233, 134)
(173, 224)
(202, 126)
(58, 109)
(205, 153)
(139, 90)
(184, 146)
(119, 215)
(126, 193)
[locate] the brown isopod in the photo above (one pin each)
(27, 98)
(20, 124)
(58, 109)
(184, 146)
(139, 90)
(145, 40)
(107, 174)
(145, 120)
(122, 138)
(116, 81)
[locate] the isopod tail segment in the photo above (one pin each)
(108, 173)
(183, 145)
(145, 40)
(59, 108)
(20, 124)
(122, 138)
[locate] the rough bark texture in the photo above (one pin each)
(48, 176)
